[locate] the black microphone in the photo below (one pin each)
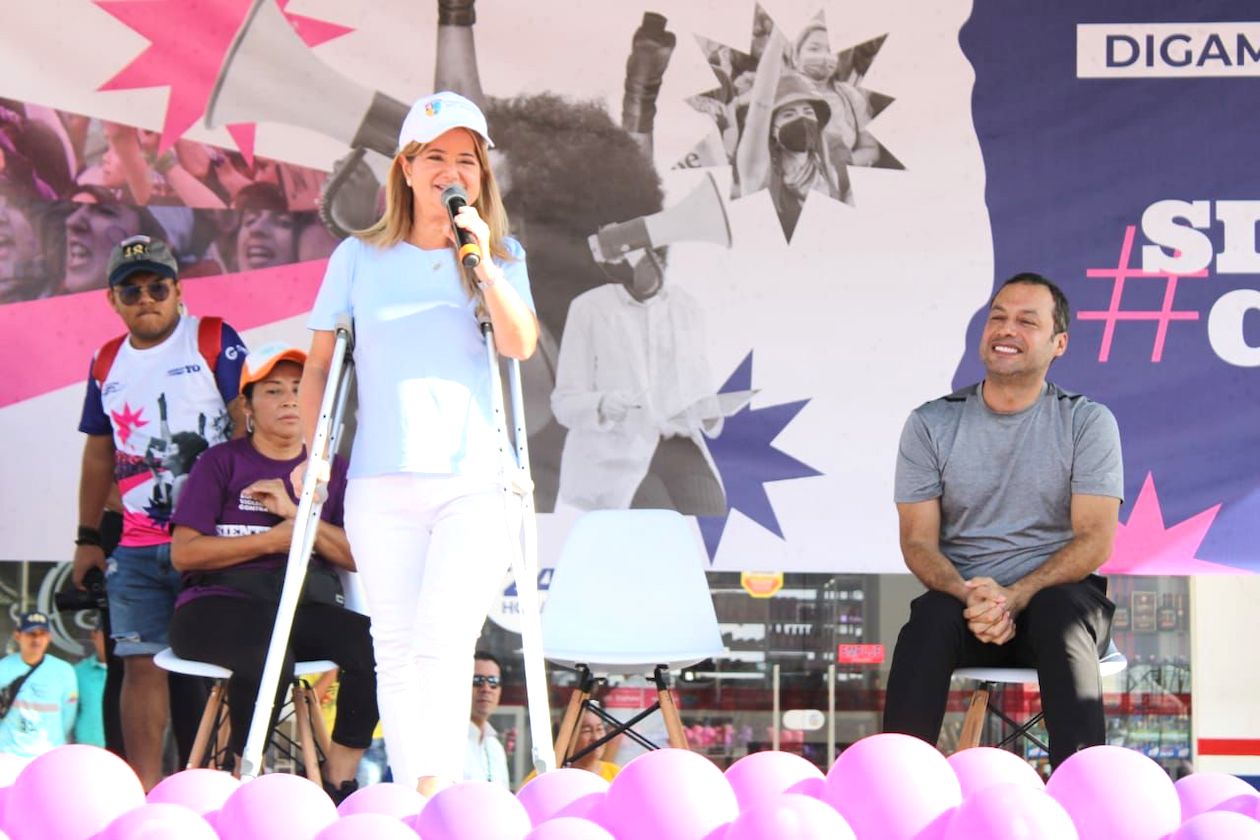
(454, 197)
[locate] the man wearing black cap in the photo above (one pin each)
(38, 692)
(157, 397)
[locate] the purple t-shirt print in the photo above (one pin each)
(212, 503)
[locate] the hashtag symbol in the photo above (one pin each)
(1113, 314)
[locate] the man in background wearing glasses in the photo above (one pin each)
(157, 397)
(486, 759)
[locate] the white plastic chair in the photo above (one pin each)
(311, 731)
(210, 745)
(628, 596)
(989, 678)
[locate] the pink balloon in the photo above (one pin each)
(1201, 792)
(159, 821)
(566, 792)
(569, 828)
(1013, 811)
(201, 789)
(39, 805)
(980, 767)
(894, 787)
(790, 816)
(1215, 825)
(212, 817)
(668, 794)
(364, 826)
(1247, 804)
(389, 798)
(472, 811)
(1116, 793)
(762, 776)
(276, 805)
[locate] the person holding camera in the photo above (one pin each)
(156, 395)
(233, 528)
(39, 693)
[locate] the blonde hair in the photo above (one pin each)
(396, 224)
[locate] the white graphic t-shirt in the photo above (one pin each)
(164, 407)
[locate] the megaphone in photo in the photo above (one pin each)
(270, 75)
(700, 217)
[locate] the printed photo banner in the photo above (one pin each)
(758, 235)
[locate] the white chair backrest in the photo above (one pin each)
(1113, 662)
(629, 593)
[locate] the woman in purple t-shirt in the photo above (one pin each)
(232, 532)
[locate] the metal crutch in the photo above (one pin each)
(517, 483)
(310, 503)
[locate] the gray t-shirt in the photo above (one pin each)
(1006, 481)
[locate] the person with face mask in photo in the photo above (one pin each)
(781, 148)
(848, 141)
(634, 390)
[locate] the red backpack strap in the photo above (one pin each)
(210, 340)
(105, 359)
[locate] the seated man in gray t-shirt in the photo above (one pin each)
(1008, 494)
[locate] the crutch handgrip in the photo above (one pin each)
(346, 324)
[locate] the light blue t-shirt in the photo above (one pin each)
(42, 715)
(89, 723)
(420, 360)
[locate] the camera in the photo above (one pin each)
(91, 597)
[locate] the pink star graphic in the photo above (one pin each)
(127, 421)
(188, 40)
(1144, 546)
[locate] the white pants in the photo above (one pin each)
(431, 552)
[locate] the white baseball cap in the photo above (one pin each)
(437, 114)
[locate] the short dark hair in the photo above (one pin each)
(487, 656)
(1062, 311)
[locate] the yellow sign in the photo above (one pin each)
(761, 584)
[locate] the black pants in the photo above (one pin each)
(1063, 632)
(235, 632)
(679, 478)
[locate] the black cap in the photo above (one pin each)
(141, 253)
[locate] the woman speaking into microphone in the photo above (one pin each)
(424, 511)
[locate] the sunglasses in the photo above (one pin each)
(480, 679)
(158, 290)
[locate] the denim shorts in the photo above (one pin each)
(141, 585)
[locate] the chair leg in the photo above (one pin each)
(322, 738)
(223, 760)
(305, 735)
(973, 723)
(573, 714)
(669, 711)
(206, 727)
